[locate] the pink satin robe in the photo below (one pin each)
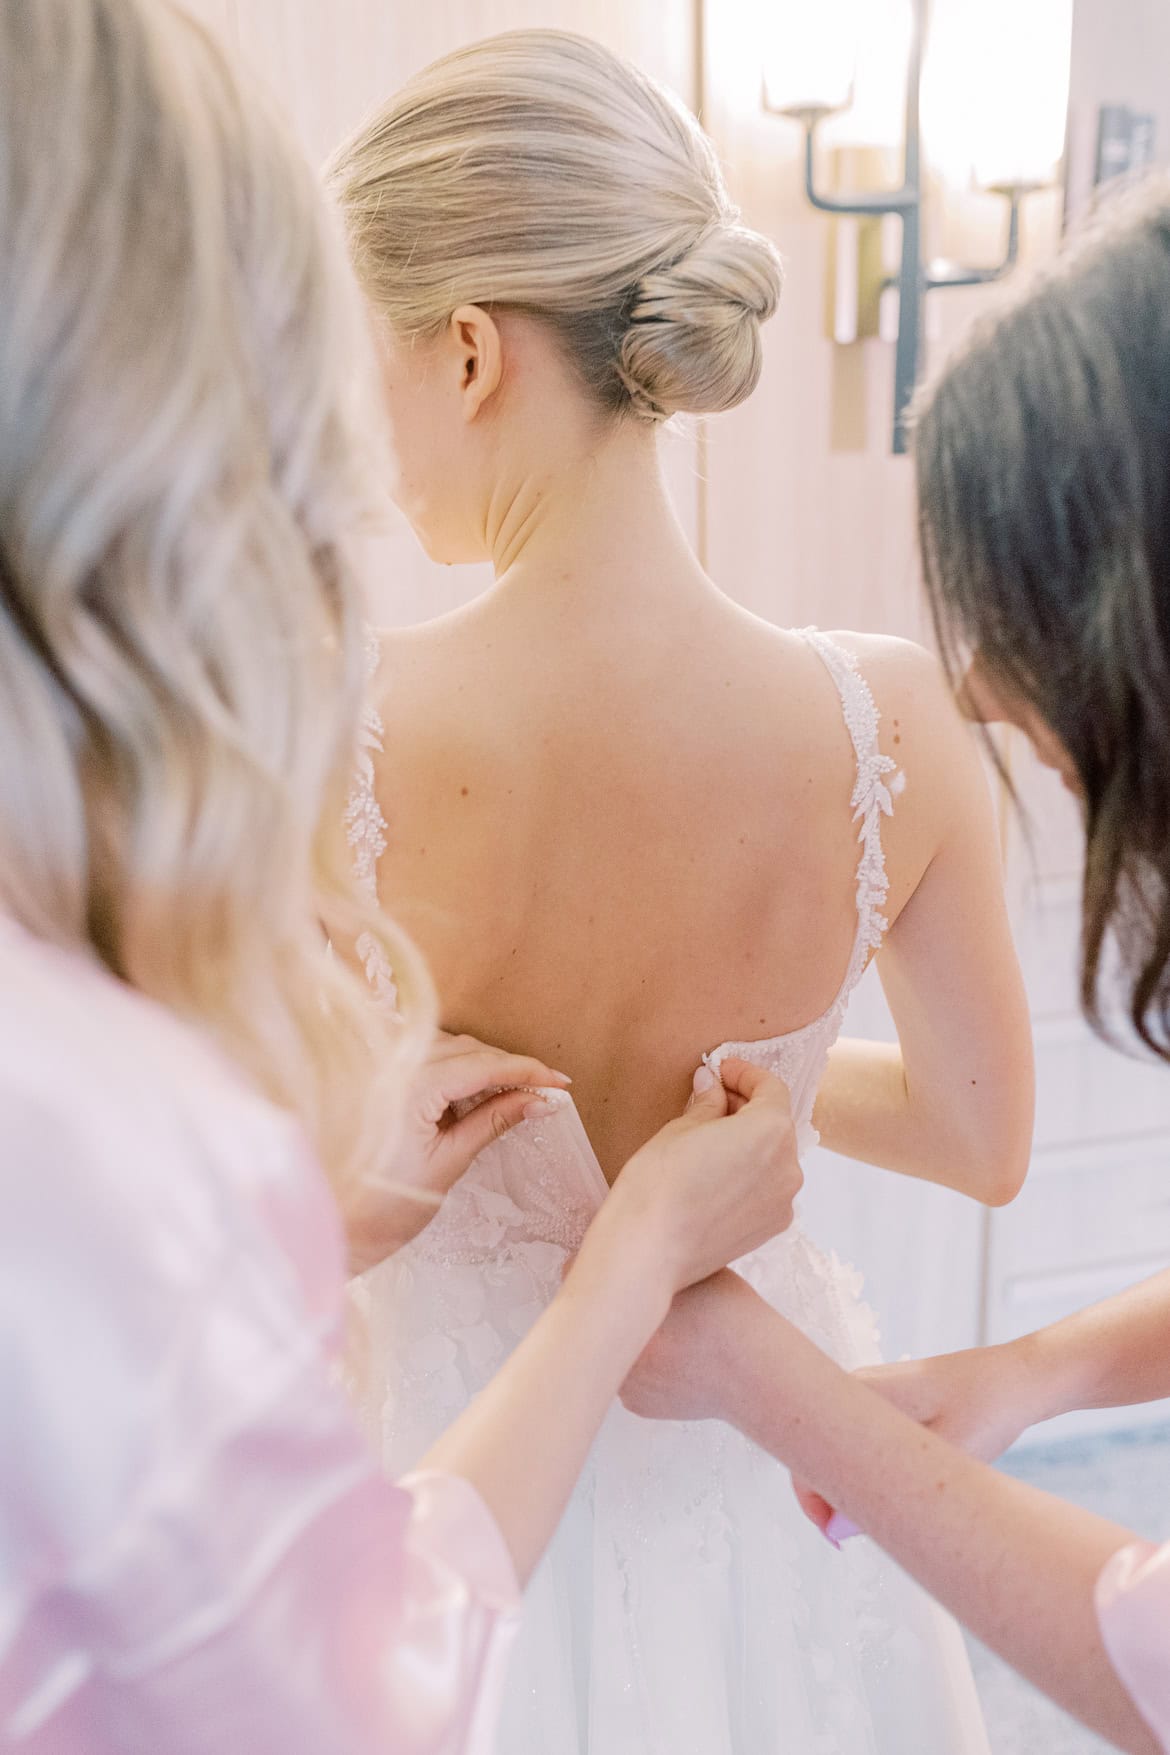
(1133, 1605)
(197, 1552)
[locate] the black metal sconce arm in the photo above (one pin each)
(896, 201)
(914, 278)
(906, 203)
(940, 274)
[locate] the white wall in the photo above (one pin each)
(1121, 54)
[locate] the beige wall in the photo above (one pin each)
(333, 60)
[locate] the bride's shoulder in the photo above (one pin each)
(887, 660)
(421, 709)
(907, 682)
(402, 666)
(395, 653)
(421, 652)
(921, 728)
(919, 722)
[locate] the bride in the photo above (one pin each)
(635, 828)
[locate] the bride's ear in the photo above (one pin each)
(478, 349)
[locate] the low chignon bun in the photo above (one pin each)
(693, 344)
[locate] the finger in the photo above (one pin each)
(708, 1098)
(447, 1047)
(446, 1043)
(489, 1121)
(477, 1069)
(755, 1084)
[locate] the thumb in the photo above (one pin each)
(708, 1098)
(491, 1120)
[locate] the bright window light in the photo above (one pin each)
(810, 52)
(843, 56)
(877, 115)
(995, 90)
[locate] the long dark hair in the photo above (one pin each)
(1043, 466)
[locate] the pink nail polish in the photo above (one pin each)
(840, 1528)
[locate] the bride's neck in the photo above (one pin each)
(596, 530)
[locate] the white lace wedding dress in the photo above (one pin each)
(685, 1606)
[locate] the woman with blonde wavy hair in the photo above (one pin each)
(197, 1551)
(625, 819)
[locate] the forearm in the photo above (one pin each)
(1111, 1355)
(1018, 1567)
(525, 1438)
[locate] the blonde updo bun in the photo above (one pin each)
(693, 344)
(538, 171)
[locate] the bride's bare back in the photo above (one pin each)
(622, 837)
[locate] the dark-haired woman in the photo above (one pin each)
(1043, 461)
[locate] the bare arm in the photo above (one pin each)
(1017, 1566)
(950, 1102)
(523, 1441)
(1111, 1355)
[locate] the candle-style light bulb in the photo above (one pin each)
(995, 90)
(810, 54)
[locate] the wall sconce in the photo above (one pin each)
(984, 84)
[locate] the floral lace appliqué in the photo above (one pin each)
(872, 797)
(366, 832)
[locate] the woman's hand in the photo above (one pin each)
(441, 1136)
(979, 1400)
(710, 1186)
